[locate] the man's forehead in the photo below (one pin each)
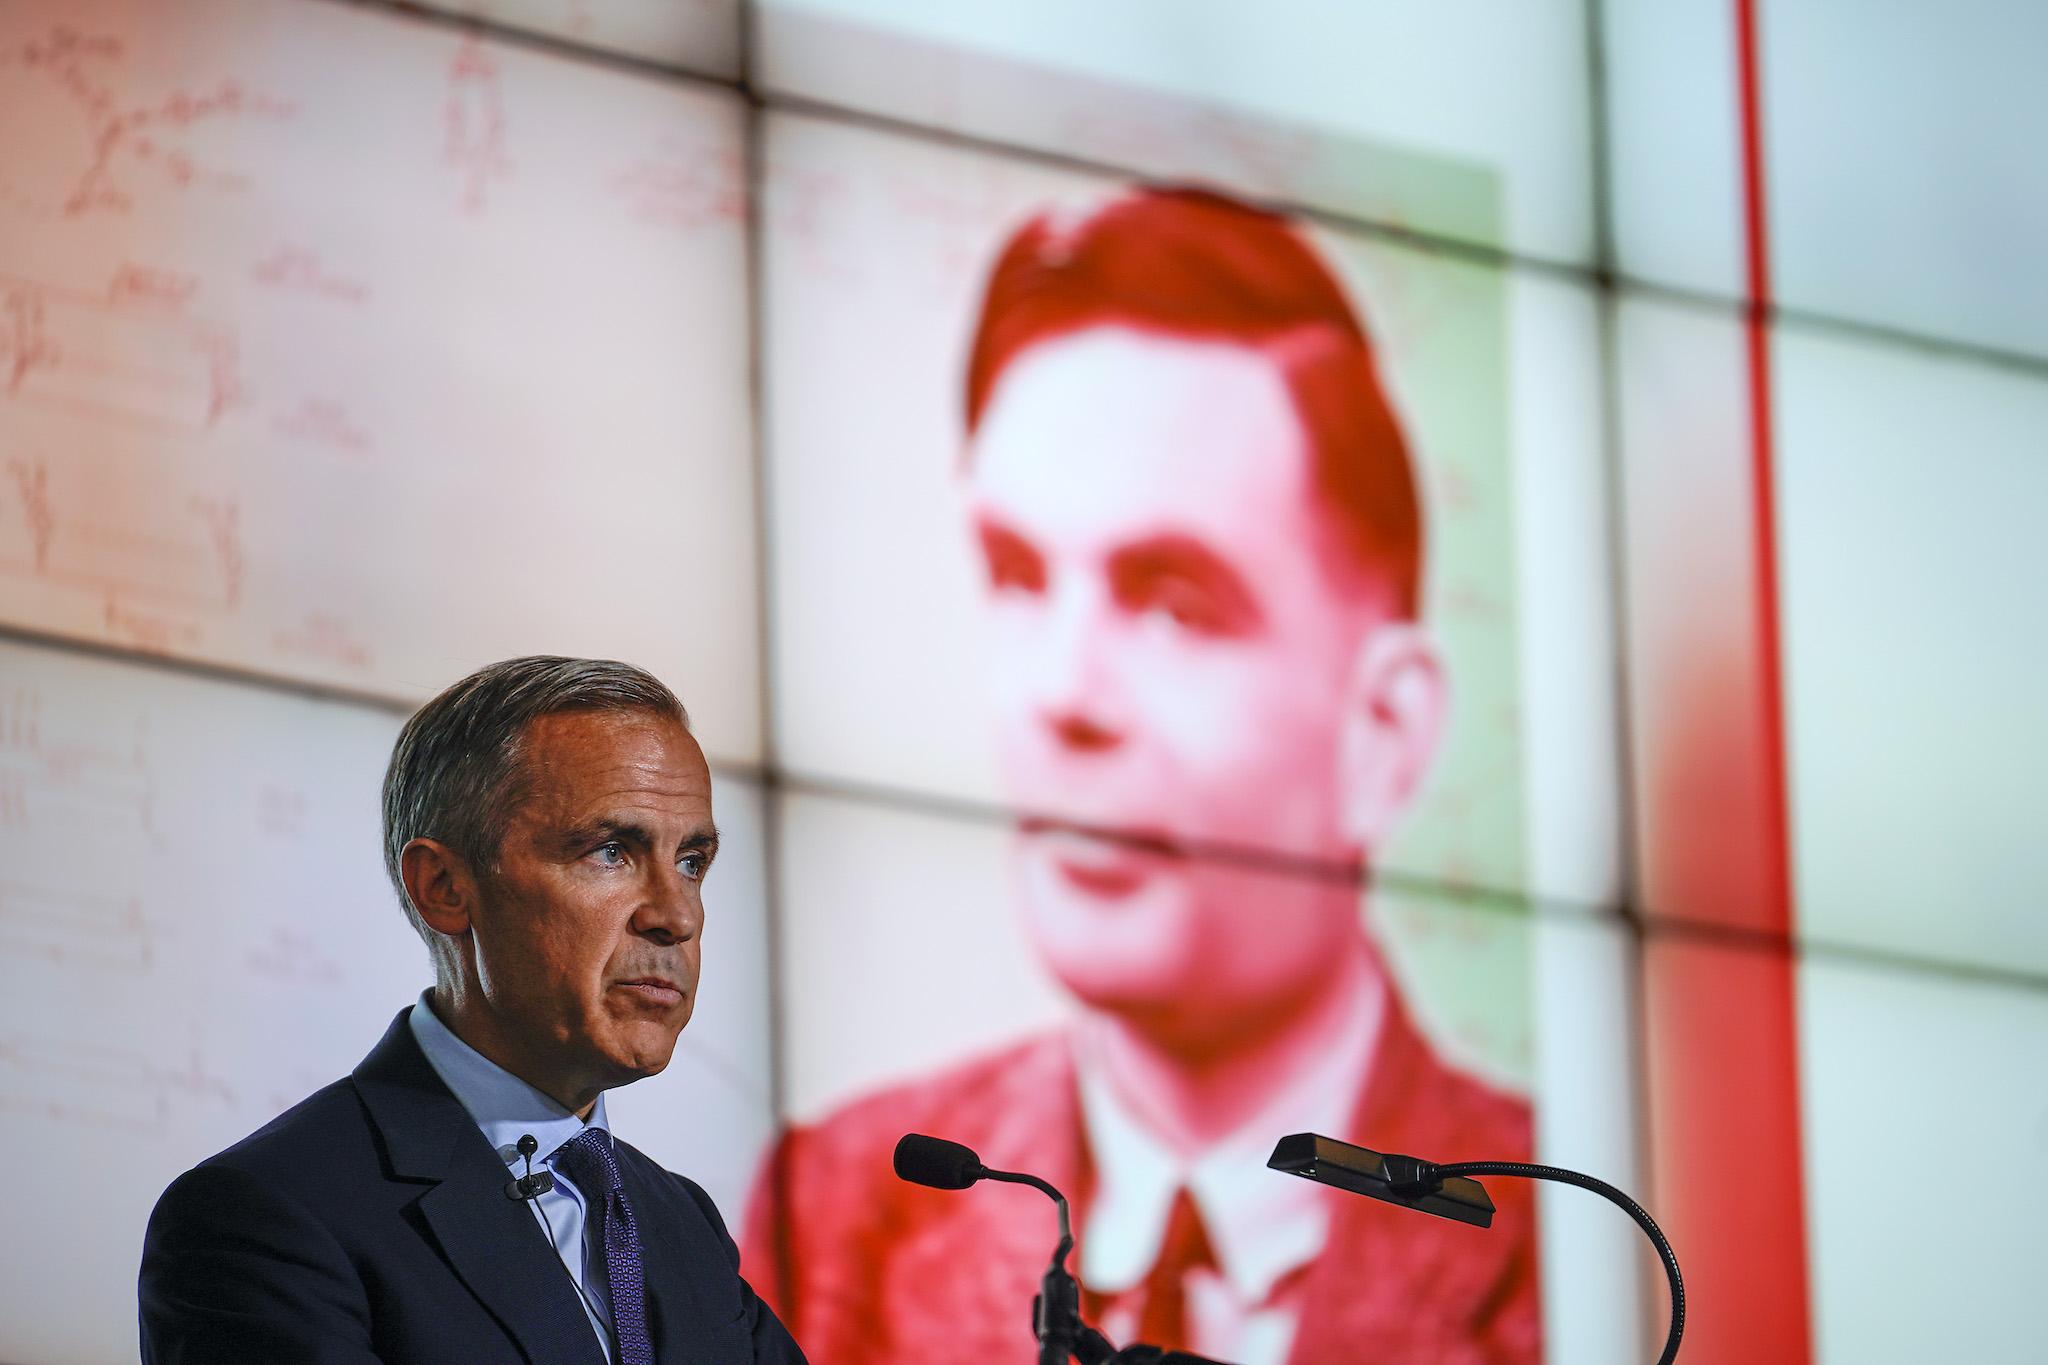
(578, 759)
(1112, 432)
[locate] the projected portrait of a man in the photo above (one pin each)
(1203, 546)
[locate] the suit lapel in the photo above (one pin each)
(492, 1242)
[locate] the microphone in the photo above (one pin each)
(529, 1186)
(1056, 1312)
(935, 1162)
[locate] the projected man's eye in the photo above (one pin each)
(1181, 581)
(1012, 564)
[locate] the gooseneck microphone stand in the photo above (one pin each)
(1449, 1191)
(1056, 1312)
(1530, 1171)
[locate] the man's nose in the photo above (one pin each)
(672, 911)
(1072, 688)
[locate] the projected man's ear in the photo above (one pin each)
(1395, 708)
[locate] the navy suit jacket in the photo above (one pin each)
(370, 1223)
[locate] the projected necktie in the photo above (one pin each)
(1185, 1248)
(588, 1160)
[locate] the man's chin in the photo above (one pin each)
(635, 1058)
(1124, 944)
(1117, 983)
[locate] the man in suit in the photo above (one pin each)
(1203, 552)
(548, 828)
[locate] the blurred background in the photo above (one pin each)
(345, 347)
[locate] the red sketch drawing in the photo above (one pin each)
(131, 353)
(146, 285)
(156, 575)
(326, 423)
(193, 1081)
(148, 631)
(105, 933)
(222, 518)
(21, 720)
(677, 188)
(102, 1087)
(324, 637)
(296, 270)
(473, 125)
(24, 341)
(32, 483)
(805, 204)
(67, 1082)
(292, 957)
(59, 781)
(129, 138)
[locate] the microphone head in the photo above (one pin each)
(936, 1162)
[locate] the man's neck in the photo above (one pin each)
(1191, 1102)
(468, 1018)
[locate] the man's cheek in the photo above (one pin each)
(1014, 632)
(1007, 684)
(1202, 711)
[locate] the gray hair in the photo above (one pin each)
(455, 773)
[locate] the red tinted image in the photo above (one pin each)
(1201, 539)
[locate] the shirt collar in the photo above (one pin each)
(504, 1107)
(1262, 1227)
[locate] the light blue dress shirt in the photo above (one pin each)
(506, 1108)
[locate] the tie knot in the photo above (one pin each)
(1164, 1319)
(589, 1161)
(1185, 1245)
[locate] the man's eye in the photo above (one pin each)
(694, 866)
(611, 854)
(1186, 605)
(1013, 565)
(1016, 574)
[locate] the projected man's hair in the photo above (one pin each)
(1194, 264)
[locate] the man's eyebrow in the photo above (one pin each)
(590, 833)
(1174, 552)
(603, 829)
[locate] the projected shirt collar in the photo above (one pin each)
(1261, 1226)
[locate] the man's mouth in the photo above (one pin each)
(1106, 863)
(658, 991)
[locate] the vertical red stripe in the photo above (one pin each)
(1727, 1172)
(1722, 1031)
(1757, 332)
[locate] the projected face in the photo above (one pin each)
(1173, 663)
(589, 938)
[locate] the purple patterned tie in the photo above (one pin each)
(588, 1160)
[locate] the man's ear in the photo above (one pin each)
(1394, 710)
(441, 885)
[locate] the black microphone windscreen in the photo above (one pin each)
(936, 1162)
